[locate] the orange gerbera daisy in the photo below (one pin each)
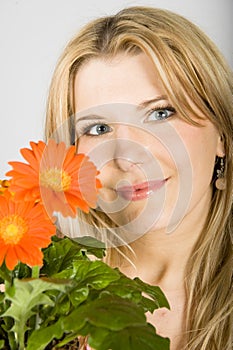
(24, 230)
(57, 176)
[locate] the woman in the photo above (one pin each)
(148, 96)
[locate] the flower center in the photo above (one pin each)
(12, 229)
(4, 184)
(56, 179)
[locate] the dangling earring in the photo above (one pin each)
(220, 183)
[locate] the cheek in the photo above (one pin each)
(84, 146)
(201, 144)
(100, 151)
(95, 149)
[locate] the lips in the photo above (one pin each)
(140, 191)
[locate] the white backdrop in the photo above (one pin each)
(32, 36)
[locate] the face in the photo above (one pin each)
(155, 168)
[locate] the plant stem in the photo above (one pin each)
(7, 285)
(36, 274)
(21, 340)
(35, 271)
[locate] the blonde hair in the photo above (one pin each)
(190, 66)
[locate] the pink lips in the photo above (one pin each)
(140, 191)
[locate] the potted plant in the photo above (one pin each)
(52, 290)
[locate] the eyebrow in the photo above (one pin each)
(90, 117)
(141, 105)
(153, 100)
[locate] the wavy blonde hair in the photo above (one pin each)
(189, 65)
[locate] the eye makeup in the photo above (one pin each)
(87, 128)
(160, 113)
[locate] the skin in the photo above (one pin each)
(169, 149)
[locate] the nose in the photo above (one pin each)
(125, 164)
(130, 148)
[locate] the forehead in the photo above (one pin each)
(122, 79)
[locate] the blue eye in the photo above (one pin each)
(157, 114)
(97, 129)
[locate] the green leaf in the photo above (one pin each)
(27, 295)
(59, 256)
(91, 246)
(86, 275)
(154, 292)
(152, 297)
(64, 307)
(5, 274)
(68, 338)
(22, 271)
(96, 274)
(130, 338)
(148, 304)
(43, 336)
(77, 296)
(126, 288)
(109, 311)
(88, 241)
(114, 323)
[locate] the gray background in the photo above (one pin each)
(32, 36)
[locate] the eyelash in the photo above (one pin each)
(83, 130)
(160, 108)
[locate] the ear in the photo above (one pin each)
(220, 151)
